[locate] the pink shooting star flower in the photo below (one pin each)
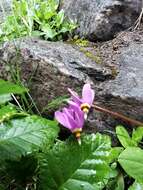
(87, 98)
(71, 118)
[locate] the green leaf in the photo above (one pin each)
(7, 87)
(49, 14)
(36, 33)
(28, 16)
(115, 153)
(120, 183)
(2, 187)
(137, 135)
(136, 186)
(124, 137)
(117, 182)
(9, 111)
(53, 4)
(21, 136)
(5, 98)
(131, 160)
(71, 166)
(48, 31)
(6, 112)
(60, 18)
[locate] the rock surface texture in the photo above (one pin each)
(114, 68)
(126, 90)
(101, 19)
(49, 68)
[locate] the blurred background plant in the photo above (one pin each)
(36, 18)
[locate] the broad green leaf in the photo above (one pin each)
(7, 87)
(112, 175)
(24, 135)
(5, 98)
(131, 160)
(98, 187)
(124, 137)
(6, 112)
(73, 167)
(137, 135)
(9, 111)
(115, 151)
(136, 186)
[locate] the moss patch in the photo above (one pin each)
(83, 44)
(92, 56)
(79, 42)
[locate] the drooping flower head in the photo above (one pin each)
(71, 118)
(87, 98)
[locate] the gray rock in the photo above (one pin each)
(124, 94)
(5, 9)
(49, 68)
(126, 90)
(101, 19)
(129, 82)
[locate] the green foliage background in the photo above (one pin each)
(36, 18)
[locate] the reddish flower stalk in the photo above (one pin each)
(118, 115)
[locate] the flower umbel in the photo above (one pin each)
(71, 118)
(87, 98)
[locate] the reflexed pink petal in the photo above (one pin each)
(87, 94)
(79, 115)
(73, 105)
(75, 116)
(67, 111)
(75, 96)
(71, 117)
(78, 111)
(62, 119)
